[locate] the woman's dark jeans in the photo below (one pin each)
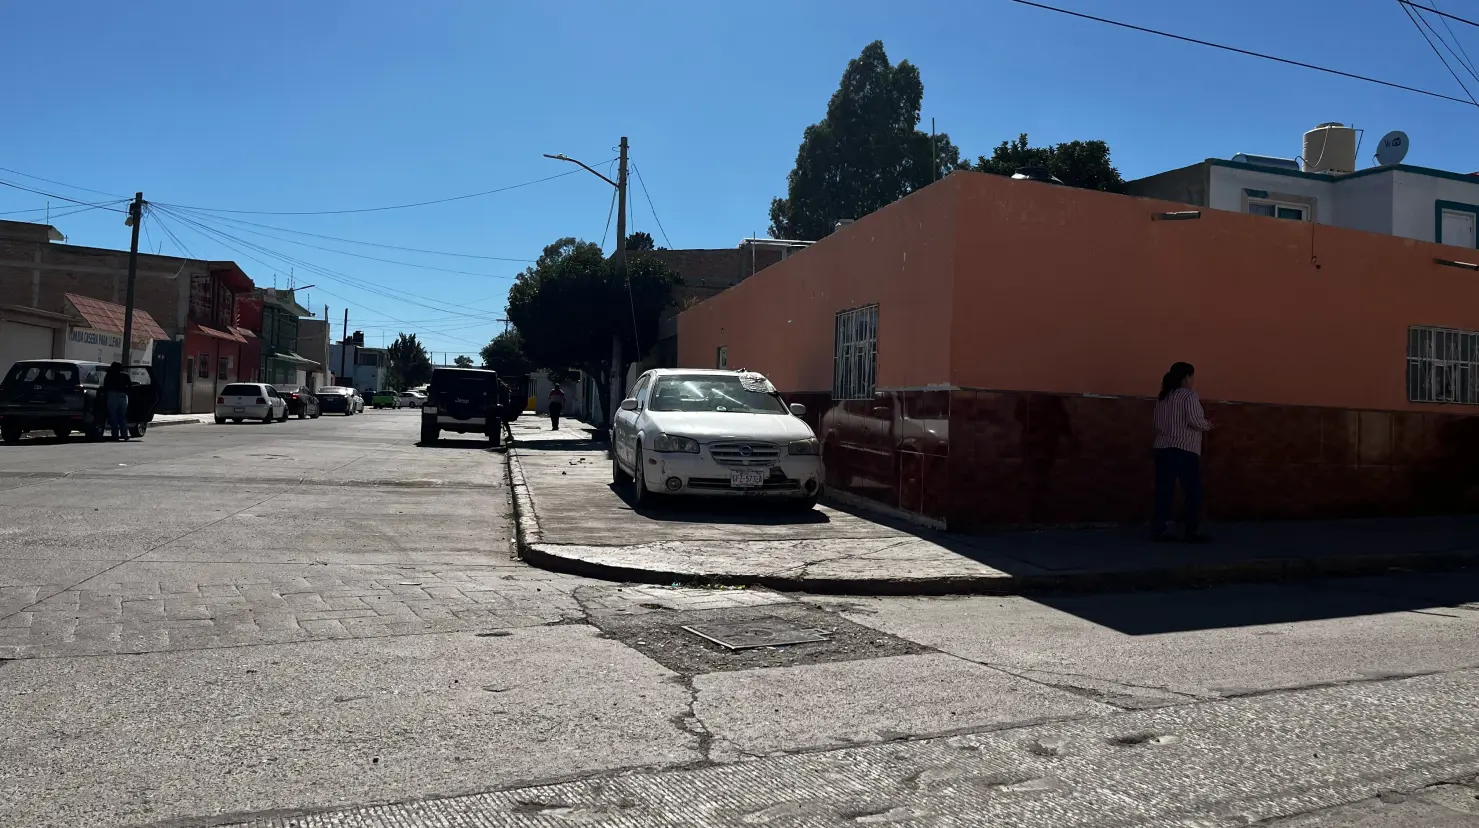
(1171, 465)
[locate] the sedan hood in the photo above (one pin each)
(708, 426)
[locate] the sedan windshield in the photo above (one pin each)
(717, 392)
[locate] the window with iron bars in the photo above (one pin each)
(855, 359)
(1442, 365)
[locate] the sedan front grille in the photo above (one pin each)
(772, 484)
(745, 454)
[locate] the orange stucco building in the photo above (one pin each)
(1015, 334)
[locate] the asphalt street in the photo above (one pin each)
(322, 623)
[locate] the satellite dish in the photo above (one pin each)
(1393, 148)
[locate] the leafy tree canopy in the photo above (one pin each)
(570, 303)
(641, 240)
(410, 365)
(1076, 163)
(866, 153)
(463, 361)
(505, 354)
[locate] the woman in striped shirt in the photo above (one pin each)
(1179, 425)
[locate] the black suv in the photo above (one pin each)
(65, 395)
(465, 400)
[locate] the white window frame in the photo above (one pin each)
(1304, 209)
(855, 354)
(721, 357)
(1442, 365)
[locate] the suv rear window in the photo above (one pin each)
(42, 374)
(239, 390)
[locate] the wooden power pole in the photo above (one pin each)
(135, 218)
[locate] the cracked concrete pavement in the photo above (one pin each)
(288, 624)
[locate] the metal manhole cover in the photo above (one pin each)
(746, 635)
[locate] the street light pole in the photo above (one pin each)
(616, 380)
(135, 218)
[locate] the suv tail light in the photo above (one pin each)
(261, 401)
(220, 400)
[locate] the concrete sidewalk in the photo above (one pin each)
(571, 519)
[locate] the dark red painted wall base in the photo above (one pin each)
(984, 458)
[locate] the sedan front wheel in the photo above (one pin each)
(642, 498)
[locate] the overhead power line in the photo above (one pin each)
(1246, 52)
(373, 209)
(638, 171)
(63, 184)
(101, 205)
(1434, 10)
(1419, 21)
(237, 221)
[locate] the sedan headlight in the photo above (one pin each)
(809, 446)
(668, 442)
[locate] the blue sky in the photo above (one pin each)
(333, 104)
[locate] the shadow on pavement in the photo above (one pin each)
(1247, 605)
(738, 511)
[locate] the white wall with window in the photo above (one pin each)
(1271, 194)
(855, 357)
(1435, 208)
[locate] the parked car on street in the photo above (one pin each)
(337, 399)
(465, 400)
(301, 400)
(412, 399)
(359, 402)
(385, 398)
(64, 395)
(251, 401)
(695, 432)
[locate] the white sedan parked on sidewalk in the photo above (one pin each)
(250, 401)
(697, 432)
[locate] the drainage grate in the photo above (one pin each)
(747, 635)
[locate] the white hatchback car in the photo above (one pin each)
(698, 432)
(251, 401)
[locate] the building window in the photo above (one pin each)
(222, 365)
(1442, 366)
(205, 366)
(855, 356)
(189, 370)
(1457, 224)
(1279, 209)
(721, 358)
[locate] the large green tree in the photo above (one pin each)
(641, 240)
(572, 301)
(1076, 163)
(505, 354)
(463, 361)
(410, 365)
(866, 153)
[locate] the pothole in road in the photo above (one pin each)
(663, 638)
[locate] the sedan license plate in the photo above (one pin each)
(746, 479)
(239, 409)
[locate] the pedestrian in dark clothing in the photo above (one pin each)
(556, 406)
(1179, 425)
(115, 395)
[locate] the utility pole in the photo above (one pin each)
(135, 218)
(618, 376)
(344, 345)
(616, 379)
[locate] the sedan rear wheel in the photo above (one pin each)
(618, 476)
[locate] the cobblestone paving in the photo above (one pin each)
(352, 602)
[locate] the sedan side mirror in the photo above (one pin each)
(629, 404)
(798, 410)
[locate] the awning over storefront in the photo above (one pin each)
(106, 316)
(289, 356)
(229, 335)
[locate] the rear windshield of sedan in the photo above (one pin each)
(238, 390)
(712, 393)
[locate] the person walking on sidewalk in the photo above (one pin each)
(1179, 425)
(556, 405)
(115, 396)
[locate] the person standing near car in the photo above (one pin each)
(556, 405)
(115, 396)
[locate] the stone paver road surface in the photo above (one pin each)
(293, 624)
